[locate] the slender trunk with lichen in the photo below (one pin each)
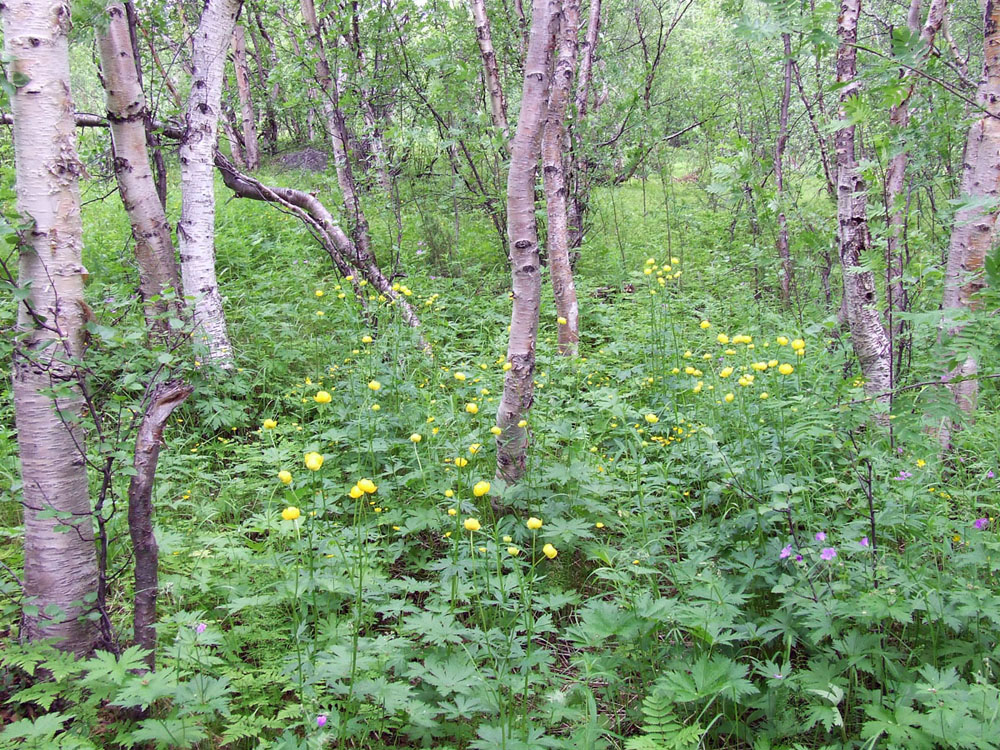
(974, 227)
(868, 336)
(248, 122)
(577, 173)
(784, 254)
(553, 173)
(127, 114)
(60, 561)
(518, 388)
(491, 72)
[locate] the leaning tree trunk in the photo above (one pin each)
(60, 561)
(553, 138)
(779, 175)
(518, 387)
(868, 336)
(972, 233)
(127, 113)
(498, 106)
(248, 122)
(196, 230)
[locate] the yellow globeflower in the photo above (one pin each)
(798, 344)
(772, 363)
(782, 340)
(729, 398)
(472, 408)
(725, 372)
(285, 477)
(374, 385)
(513, 551)
(506, 366)
(290, 513)
(319, 292)
(367, 486)
(786, 369)
(314, 461)
(495, 430)
(549, 551)
(561, 320)
(705, 325)
(534, 523)
(722, 339)
(270, 424)
(461, 462)
(472, 524)
(523, 423)
(474, 448)
(452, 512)
(764, 396)
(652, 418)
(322, 397)
(356, 492)
(459, 376)
(449, 493)
(416, 437)
(366, 339)
(481, 488)
(375, 407)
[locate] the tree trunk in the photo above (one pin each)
(498, 106)
(127, 114)
(972, 233)
(165, 398)
(577, 178)
(196, 230)
(518, 389)
(60, 561)
(868, 336)
(779, 175)
(247, 119)
(553, 138)
(273, 95)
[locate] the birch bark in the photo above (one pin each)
(60, 567)
(498, 106)
(518, 390)
(248, 121)
(196, 230)
(784, 253)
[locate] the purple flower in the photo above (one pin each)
(989, 474)
(786, 551)
(778, 676)
(321, 721)
(200, 628)
(864, 541)
(981, 523)
(903, 476)
(798, 558)
(820, 536)
(827, 553)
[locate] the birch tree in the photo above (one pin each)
(484, 37)
(248, 121)
(127, 114)
(196, 230)
(518, 389)
(60, 563)
(868, 336)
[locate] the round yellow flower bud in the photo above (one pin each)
(270, 424)
(452, 512)
(368, 486)
(374, 385)
(459, 376)
(449, 493)
(314, 461)
(549, 551)
(533, 523)
(319, 292)
(652, 418)
(416, 437)
(285, 477)
(561, 320)
(523, 423)
(290, 513)
(495, 430)
(722, 339)
(729, 398)
(513, 551)
(725, 372)
(472, 524)
(472, 408)
(786, 369)
(798, 344)
(356, 492)
(481, 488)
(782, 340)
(506, 366)
(705, 325)
(366, 339)
(322, 397)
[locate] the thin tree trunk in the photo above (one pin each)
(261, 38)
(868, 336)
(128, 116)
(159, 165)
(973, 230)
(196, 230)
(518, 390)
(553, 139)
(235, 141)
(498, 106)
(60, 566)
(779, 175)
(577, 178)
(247, 119)
(165, 398)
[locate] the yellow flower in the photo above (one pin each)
(729, 398)
(319, 292)
(285, 476)
(675, 371)
(472, 408)
(549, 551)
(508, 539)
(956, 538)
(313, 461)
(459, 376)
(495, 430)
(688, 354)
(523, 423)
(367, 486)
(374, 385)
(786, 369)
(598, 525)
(472, 524)
(416, 437)
(698, 386)
(533, 523)
(320, 313)
(356, 492)
(506, 366)
(730, 352)
(764, 396)
(474, 448)
(772, 363)
(366, 339)
(482, 549)
(449, 493)
(561, 320)
(705, 325)
(725, 372)
(375, 407)
(921, 463)
(270, 424)
(452, 512)
(513, 551)
(481, 488)
(798, 344)
(722, 339)
(290, 513)
(689, 370)
(652, 418)
(759, 366)
(782, 340)
(322, 397)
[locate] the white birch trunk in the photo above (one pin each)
(60, 567)
(498, 106)
(196, 230)
(248, 121)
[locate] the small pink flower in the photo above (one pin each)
(321, 721)
(820, 536)
(981, 523)
(989, 474)
(827, 553)
(864, 541)
(786, 551)
(200, 628)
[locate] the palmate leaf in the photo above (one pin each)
(454, 674)
(170, 733)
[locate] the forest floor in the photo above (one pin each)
(730, 552)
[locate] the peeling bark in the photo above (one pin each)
(553, 139)
(498, 105)
(128, 116)
(165, 398)
(196, 230)
(60, 566)
(868, 336)
(248, 121)
(518, 390)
